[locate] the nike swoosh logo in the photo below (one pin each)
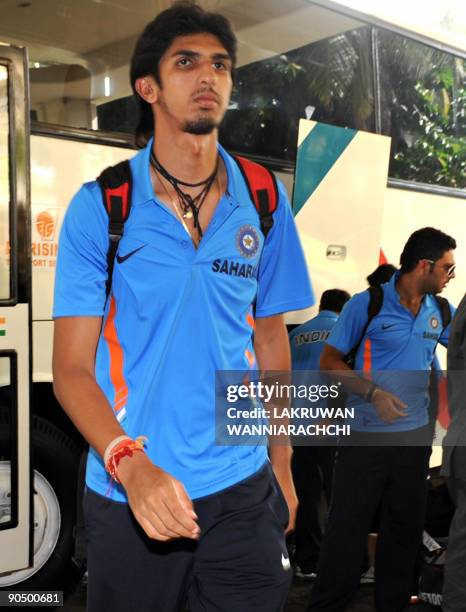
(387, 326)
(285, 562)
(122, 258)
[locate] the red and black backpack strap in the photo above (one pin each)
(262, 187)
(116, 184)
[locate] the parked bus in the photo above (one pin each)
(66, 112)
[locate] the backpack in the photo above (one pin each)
(431, 571)
(373, 309)
(116, 184)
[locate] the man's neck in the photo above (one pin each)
(187, 157)
(409, 289)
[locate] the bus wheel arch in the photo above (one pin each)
(56, 463)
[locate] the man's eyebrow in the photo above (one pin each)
(195, 54)
(221, 56)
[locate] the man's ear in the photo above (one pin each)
(424, 266)
(147, 88)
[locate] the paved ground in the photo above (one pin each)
(296, 601)
(364, 601)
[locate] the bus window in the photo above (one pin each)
(4, 188)
(61, 94)
(78, 55)
(328, 80)
(7, 482)
(306, 60)
(423, 101)
(296, 59)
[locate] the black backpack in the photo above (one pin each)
(373, 309)
(116, 183)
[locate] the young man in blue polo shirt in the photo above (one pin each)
(386, 461)
(196, 288)
(312, 466)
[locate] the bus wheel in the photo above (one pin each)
(55, 461)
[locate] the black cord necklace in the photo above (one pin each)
(189, 205)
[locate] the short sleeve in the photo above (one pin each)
(283, 280)
(81, 271)
(349, 327)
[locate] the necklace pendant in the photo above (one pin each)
(187, 215)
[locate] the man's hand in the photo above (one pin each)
(289, 493)
(389, 407)
(285, 480)
(158, 501)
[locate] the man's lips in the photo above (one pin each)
(206, 99)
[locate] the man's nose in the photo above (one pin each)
(207, 73)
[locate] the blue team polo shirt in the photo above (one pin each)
(307, 340)
(177, 314)
(397, 353)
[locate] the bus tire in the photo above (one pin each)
(55, 461)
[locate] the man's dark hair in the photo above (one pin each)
(334, 299)
(425, 243)
(382, 274)
(182, 19)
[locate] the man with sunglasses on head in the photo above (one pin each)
(385, 461)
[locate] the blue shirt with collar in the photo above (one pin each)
(176, 315)
(397, 353)
(307, 340)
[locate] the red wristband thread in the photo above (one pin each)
(126, 448)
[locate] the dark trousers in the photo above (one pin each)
(312, 474)
(364, 478)
(240, 563)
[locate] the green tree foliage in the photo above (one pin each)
(434, 125)
(423, 110)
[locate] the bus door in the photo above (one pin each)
(338, 201)
(15, 316)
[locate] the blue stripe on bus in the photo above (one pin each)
(316, 156)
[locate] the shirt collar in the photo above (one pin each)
(142, 184)
(328, 313)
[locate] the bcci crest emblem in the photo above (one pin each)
(247, 241)
(434, 322)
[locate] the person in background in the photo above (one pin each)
(382, 274)
(312, 466)
(386, 459)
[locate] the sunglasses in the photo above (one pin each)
(450, 270)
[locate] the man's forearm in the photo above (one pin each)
(86, 405)
(74, 382)
(338, 369)
(280, 457)
(273, 356)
